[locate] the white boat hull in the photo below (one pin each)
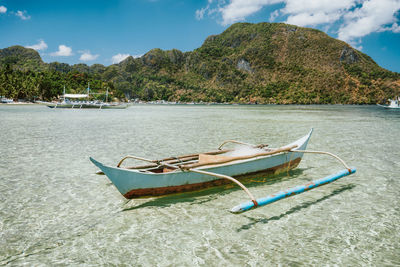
(136, 183)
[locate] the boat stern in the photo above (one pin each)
(302, 142)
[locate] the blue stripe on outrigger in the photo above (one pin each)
(291, 192)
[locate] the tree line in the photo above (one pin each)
(49, 85)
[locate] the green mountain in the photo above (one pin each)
(247, 63)
(21, 58)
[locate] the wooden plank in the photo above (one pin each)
(229, 159)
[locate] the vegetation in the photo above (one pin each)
(48, 85)
(247, 63)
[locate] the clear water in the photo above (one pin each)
(55, 211)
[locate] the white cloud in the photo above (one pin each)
(311, 6)
(300, 12)
(87, 56)
(238, 10)
(22, 15)
(354, 19)
(200, 13)
(312, 19)
(311, 13)
(119, 57)
(39, 46)
(274, 15)
(394, 28)
(63, 51)
(372, 16)
(3, 9)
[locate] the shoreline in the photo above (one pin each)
(197, 104)
(17, 103)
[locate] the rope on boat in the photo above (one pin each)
(324, 153)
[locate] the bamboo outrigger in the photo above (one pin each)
(197, 171)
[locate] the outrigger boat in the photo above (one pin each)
(198, 171)
(394, 104)
(79, 101)
(4, 100)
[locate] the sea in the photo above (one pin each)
(55, 211)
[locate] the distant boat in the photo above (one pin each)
(6, 100)
(394, 104)
(67, 103)
(77, 101)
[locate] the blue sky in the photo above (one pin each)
(105, 31)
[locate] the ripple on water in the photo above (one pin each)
(55, 211)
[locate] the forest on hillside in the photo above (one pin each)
(247, 63)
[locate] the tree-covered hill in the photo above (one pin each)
(21, 58)
(247, 63)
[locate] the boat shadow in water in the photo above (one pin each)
(209, 194)
(297, 208)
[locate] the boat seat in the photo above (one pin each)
(208, 159)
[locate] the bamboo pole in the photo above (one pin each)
(324, 153)
(221, 176)
(291, 192)
(171, 160)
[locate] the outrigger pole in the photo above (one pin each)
(291, 192)
(298, 189)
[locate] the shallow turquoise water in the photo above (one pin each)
(55, 210)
